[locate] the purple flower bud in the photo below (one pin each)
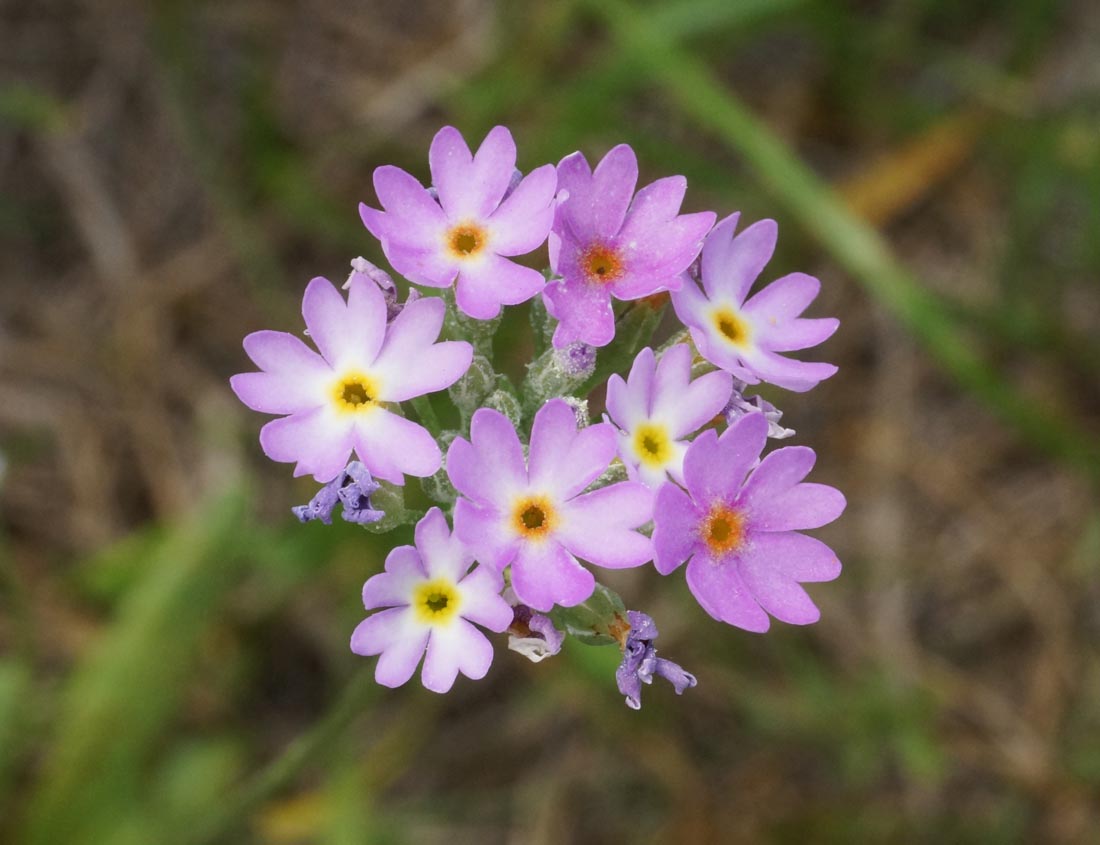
(352, 489)
(576, 359)
(640, 662)
(361, 268)
(739, 406)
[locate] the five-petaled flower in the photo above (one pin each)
(744, 337)
(431, 598)
(740, 536)
(608, 242)
(340, 400)
(468, 227)
(658, 406)
(535, 516)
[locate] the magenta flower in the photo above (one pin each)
(532, 514)
(339, 401)
(431, 599)
(658, 406)
(740, 536)
(470, 225)
(608, 242)
(743, 337)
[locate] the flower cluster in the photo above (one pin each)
(531, 497)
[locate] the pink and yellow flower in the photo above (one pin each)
(429, 601)
(465, 230)
(744, 335)
(534, 514)
(345, 399)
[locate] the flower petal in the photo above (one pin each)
(784, 299)
(319, 444)
(392, 447)
(583, 310)
(766, 568)
(597, 201)
(654, 205)
(633, 401)
(523, 220)
(803, 506)
(777, 473)
(685, 405)
(481, 599)
(715, 467)
(731, 264)
(675, 528)
(394, 586)
(778, 502)
(562, 460)
(451, 163)
(393, 634)
(443, 555)
(482, 528)
(798, 557)
(545, 574)
(411, 216)
(798, 376)
(800, 334)
(379, 631)
(272, 393)
(347, 333)
(285, 354)
(458, 647)
(398, 662)
(489, 467)
(483, 287)
(599, 526)
(410, 362)
(722, 592)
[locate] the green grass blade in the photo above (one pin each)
(122, 696)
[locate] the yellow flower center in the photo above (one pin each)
(732, 326)
(466, 240)
(652, 444)
(355, 393)
(534, 517)
(723, 530)
(436, 602)
(601, 264)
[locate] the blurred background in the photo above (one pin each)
(174, 664)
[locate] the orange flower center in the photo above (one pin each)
(534, 517)
(601, 264)
(723, 530)
(466, 240)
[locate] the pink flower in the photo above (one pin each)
(744, 337)
(534, 515)
(340, 401)
(658, 407)
(609, 242)
(464, 232)
(432, 599)
(740, 535)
